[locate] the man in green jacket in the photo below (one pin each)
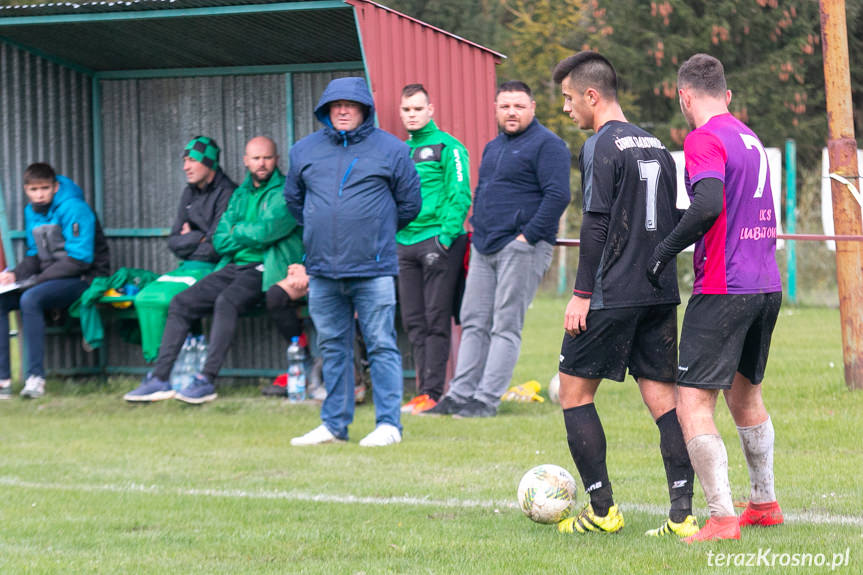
(258, 239)
(431, 248)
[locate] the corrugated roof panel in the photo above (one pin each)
(44, 116)
(43, 8)
(279, 38)
(147, 123)
(459, 76)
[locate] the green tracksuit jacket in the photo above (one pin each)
(257, 226)
(443, 165)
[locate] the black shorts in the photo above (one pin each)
(724, 334)
(643, 339)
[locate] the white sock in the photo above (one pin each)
(710, 462)
(757, 444)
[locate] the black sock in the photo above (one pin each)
(586, 440)
(678, 469)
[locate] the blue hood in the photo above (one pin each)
(67, 190)
(354, 89)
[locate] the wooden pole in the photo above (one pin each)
(842, 149)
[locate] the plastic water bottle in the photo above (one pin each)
(184, 368)
(200, 353)
(296, 371)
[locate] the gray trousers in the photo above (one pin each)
(500, 287)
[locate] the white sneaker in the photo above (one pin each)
(317, 436)
(384, 434)
(34, 387)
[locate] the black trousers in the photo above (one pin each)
(428, 276)
(227, 293)
(283, 311)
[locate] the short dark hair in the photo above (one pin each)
(704, 73)
(412, 89)
(514, 86)
(588, 69)
(39, 172)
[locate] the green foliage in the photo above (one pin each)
(771, 52)
(92, 485)
(480, 21)
(542, 33)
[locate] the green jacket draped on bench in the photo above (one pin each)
(86, 309)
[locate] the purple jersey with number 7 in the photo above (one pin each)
(738, 254)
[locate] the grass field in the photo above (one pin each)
(92, 485)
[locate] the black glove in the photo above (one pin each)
(655, 265)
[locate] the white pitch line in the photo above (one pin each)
(805, 518)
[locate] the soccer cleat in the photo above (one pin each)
(409, 406)
(716, 528)
(424, 405)
(279, 387)
(761, 515)
(5, 389)
(200, 391)
(446, 406)
(383, 434)
(317, 436)
(587, 521)
(151, 389)
(34, 387)
(685, 528)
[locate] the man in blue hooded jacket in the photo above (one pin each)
(352, 186)
(66, 249)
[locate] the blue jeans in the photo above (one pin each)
(332, 303)
(33, 303)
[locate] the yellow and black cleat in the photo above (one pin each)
(587, 521)
(685, 528)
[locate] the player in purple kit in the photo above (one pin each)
(735, 299)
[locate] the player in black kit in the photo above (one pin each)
(616, 319)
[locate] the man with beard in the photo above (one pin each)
(523, 190)
(257, 239)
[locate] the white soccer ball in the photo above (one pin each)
(546, 493)
(554, 388)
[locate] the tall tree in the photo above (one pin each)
(770, 49)
(480, 21)
(543, 32)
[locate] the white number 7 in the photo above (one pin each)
(750, 142)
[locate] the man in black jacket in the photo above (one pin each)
(202, 203)
(523, 190)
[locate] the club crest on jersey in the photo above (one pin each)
(431, 153)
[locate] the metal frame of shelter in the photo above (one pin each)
(99, 19)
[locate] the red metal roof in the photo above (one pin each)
(458, 74)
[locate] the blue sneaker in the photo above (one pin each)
(199, 391)
(151, 389)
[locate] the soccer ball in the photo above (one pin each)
(554, 388)
(546, 493)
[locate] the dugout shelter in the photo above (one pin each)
(109, 92)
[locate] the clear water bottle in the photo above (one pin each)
(200, 353)
(296, 371)
(184, 367)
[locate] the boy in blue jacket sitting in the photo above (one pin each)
(66, 249)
